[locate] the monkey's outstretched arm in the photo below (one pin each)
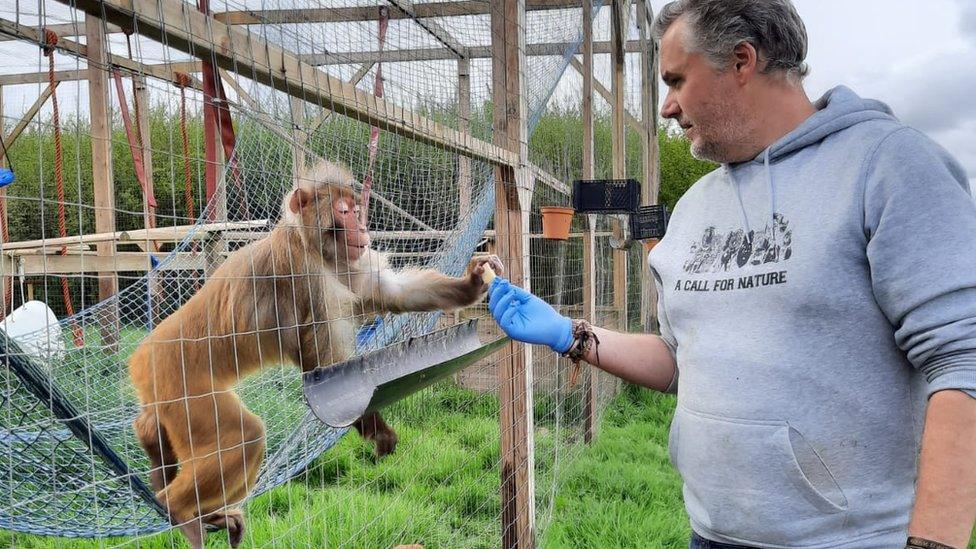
(429, 290)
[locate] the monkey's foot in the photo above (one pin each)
(386, 441)
(233, 521)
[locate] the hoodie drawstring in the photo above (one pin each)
(738, 194)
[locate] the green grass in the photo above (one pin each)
(622, 491)
(441, 487)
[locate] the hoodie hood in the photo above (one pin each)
(838, 109)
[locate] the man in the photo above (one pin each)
(841, 325)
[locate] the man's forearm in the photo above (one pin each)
(643, 359)
(945, 501)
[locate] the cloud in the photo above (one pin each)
(967, 21)
(933, 91)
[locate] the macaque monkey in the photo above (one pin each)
(292, 297)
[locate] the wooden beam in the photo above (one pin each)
(140, 100)
(649, 152)
(80, 263)
(512, 209)
(436, 54)
(64, 30)
(550, 180)
(607, 96)
(364, 13)
(8, 281)
(620, 9)
(43, 77)
(169, 234)
(99, 102)
(9, 140)
(432, 27)
(169, 21)
(164, 71)
(325, 114)
(589, 240)
(465, 183)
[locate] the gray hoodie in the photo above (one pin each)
(814, 298)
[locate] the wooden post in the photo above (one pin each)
(141, 102)
(464, 124)
(299, 135)
(620, 11)
(589, 240)
(8, 281)
(102, 178)
(513, 194)
(649, 152)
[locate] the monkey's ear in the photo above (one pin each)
(299, 199)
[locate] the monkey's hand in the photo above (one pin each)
(526, 318)
(476, 270)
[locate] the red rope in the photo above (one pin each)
(51, 39)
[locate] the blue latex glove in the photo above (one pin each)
(526, 318)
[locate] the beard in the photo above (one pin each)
(724, 134)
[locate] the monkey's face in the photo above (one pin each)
(331, 220)
(349, 231)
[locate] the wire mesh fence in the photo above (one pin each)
(112, 258)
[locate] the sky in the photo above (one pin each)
(918, 56)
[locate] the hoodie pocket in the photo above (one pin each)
(758, 481)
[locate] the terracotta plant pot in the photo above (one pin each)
(556, 221)
(650, 243)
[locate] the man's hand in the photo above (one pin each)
(526, 318)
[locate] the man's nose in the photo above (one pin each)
(670, 109)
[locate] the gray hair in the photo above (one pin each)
(717, 26)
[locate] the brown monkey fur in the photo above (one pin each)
(292, 297)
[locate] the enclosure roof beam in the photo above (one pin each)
(335, 15)
(42, 77)
(550, 180)
(369, 13)
(163, 71)
(176, 24)
(65, 29)
(9, 140)
(434, 28)
(607, 96)
(435, 54)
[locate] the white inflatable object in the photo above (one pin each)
(35, 328)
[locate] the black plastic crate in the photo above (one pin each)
(649, 222)
(606, 195)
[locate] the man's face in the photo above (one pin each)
(705, 102)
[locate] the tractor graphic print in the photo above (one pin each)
(717, 252)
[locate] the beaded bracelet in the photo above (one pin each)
(584, 339)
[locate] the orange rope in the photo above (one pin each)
(51, 39)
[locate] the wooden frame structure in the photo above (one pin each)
(222, 38)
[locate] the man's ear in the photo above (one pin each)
(299, 199)
(745, 60)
